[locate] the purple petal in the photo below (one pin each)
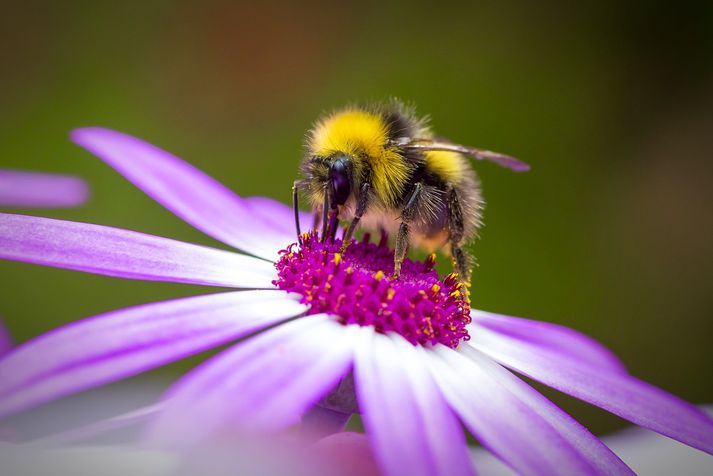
(280, 216)
(412, 429)
(569, 343)
(263, 384)
(5, 340)
(186, 191)
(118, 344)
(126, 254)
(620, 394)
(39, 190)
(520, 426)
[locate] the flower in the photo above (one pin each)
(21, 189)
(419, 367)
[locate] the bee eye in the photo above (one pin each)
(339, 178)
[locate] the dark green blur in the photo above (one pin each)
(611, 105)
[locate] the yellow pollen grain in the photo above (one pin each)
(379, 275)
(390, 294)
(435, 288)
(337, 258)
(429, 327)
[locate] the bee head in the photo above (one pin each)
(329, 178)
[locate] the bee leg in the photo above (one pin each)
(362, 203)
(462, 261)
(296, 207)
(400, 250)
(407, 215)
(325, 219)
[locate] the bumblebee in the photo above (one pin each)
(381, 167)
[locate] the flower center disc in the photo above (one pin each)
(355, 287)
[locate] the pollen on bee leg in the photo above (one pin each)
(354, 288)
(345, 245)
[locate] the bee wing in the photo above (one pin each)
(478, 154)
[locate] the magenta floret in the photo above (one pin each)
(356, 287)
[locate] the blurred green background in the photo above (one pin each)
(612, 105)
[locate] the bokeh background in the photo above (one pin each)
(611, 104)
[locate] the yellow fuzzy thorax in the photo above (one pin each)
(351, 132)
(363, 136)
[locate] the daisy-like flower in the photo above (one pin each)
(21, 189)
(320, 327)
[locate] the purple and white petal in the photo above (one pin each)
(265, 383)
(22, 189)
(118, 344)
(186, 191)
(570, 344)
(516, 423)
(412, 429)
(621, 394)
(126, 254)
